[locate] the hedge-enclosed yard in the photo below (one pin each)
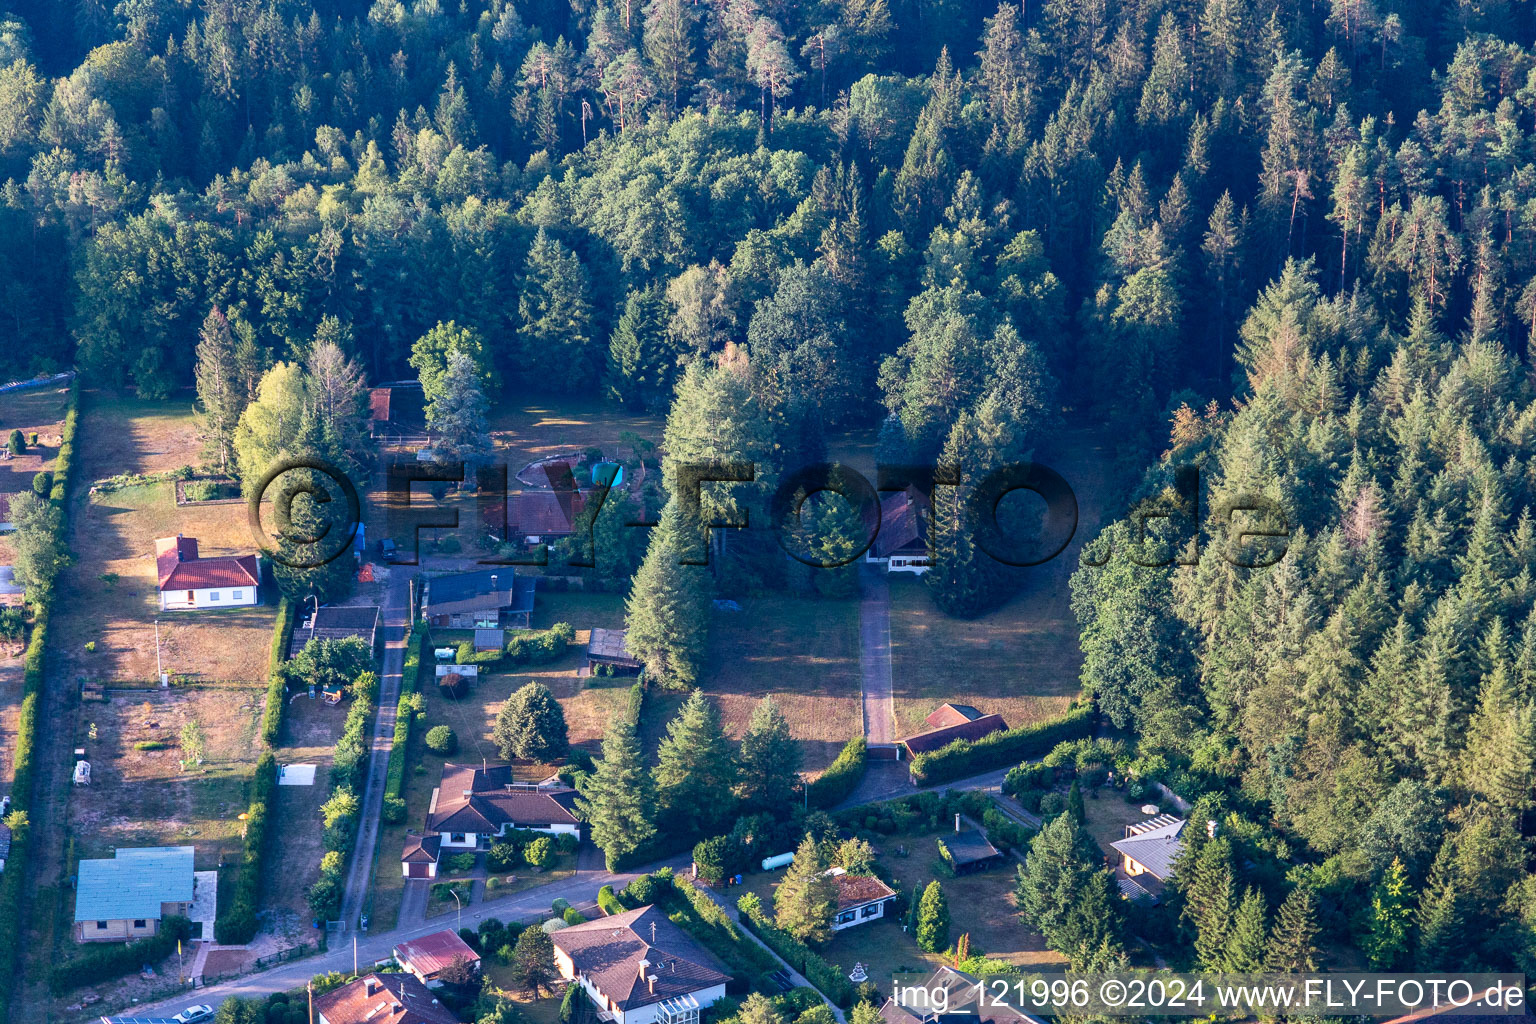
(964, 758)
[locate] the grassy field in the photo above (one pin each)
(113, 584)
(804, 651)
(42, 412)
(310, 728)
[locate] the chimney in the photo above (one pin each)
(371, 986)
(645, 965)
(1210, 829)
(650, 985)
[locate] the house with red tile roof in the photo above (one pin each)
(640, 968)
(428, 957)
(473, 804)
(189, 581)
(382, 999)
(901, 545)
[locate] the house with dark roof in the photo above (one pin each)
(969, 850)
(607, 647)
(860, 898)
(474, 804)
(486, 599)
(640, 968)
(188, 581)
(539, 517)
(1147, 855)
(382, 999)
(420, 856)
(902, 543)
(428, 957)
(334, 622)
(949, 996)
(960, 722)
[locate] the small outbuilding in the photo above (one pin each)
(968, 851)
(419, 858)
(489, 639)
(428, 957)
(606, 647)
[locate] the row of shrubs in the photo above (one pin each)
(277, 680)
(105, 961)
(406, 710)
(526, 846)
(13, 879)
(342, 812)
(963, 758)
(826, 976)
(237, 925)
(842, 777)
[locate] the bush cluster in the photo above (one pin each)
(467, 655)
(827, 977)
(970, 757)
(535, 646)
(442, 740)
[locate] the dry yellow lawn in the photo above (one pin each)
(114, 534)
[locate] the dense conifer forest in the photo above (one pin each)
(1292, 244)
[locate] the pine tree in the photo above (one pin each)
(806, 899)
(618, 801)
(555, 318)
(220, 397)
(932, 932)
(1391, 917)
(533, 960)
(667, 613)
(643, 358)
(962, 579)
(770, 760)
(531, 725)
(1442, 914)
(668, 42)
(1292, 946)
(695, 769)
(457, 414)
(1244, 951)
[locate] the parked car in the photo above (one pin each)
(387, 549)
(195, 1014)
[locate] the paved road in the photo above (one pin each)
(396, 622)
(875, 657)
(580, 890)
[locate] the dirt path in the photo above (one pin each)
(396, 621)
(875, 657)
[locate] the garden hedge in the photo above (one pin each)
(963, 758)
(105, 961)
(13, 879)
(277, 680)
(405, 714)
(842, 777)
(827, 977)
(237, 925)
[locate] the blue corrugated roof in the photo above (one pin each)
(132, 885)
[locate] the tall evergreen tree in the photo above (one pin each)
(770, 760)
(456, 414)
(1292, 947)
(643, 357)
(531, 724)
(554, 311)
(1246, 940)
(806, 900)
(695, 769)
(220, 398)
(667, 613)
(1391, 917)
(932, 931)
(618, 801)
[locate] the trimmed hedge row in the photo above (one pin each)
(237, 925)
(104, 962)
(277, 679)
(608, 901)
(13, 880)
(963, 758)
(405, 714)
(842, 777)
(826, 976)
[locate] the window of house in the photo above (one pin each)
(101, 926)
(140, 923)
(191, 597)
(213, 595)
(238, 595)
(456, 837)
(871, 910)
(845, 917)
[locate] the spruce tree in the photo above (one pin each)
(533, 960)
(932, 932)
(1244, 953)
(457, 414)
(667, 613)
(962, 579)
(806, 899)
(1292, 946)
(220, 397)
(770, 760)
(1061, 891)
(618, 801)
(1442, 914)
(531, 725)
(695, 770)
(643, 357)
(555, 319)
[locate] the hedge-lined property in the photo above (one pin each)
(105, 961)
(277, 680)
(237, 925)
(1000, 749)
(826, 976)
(13, 880)
(842, 777)
(405, 712)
